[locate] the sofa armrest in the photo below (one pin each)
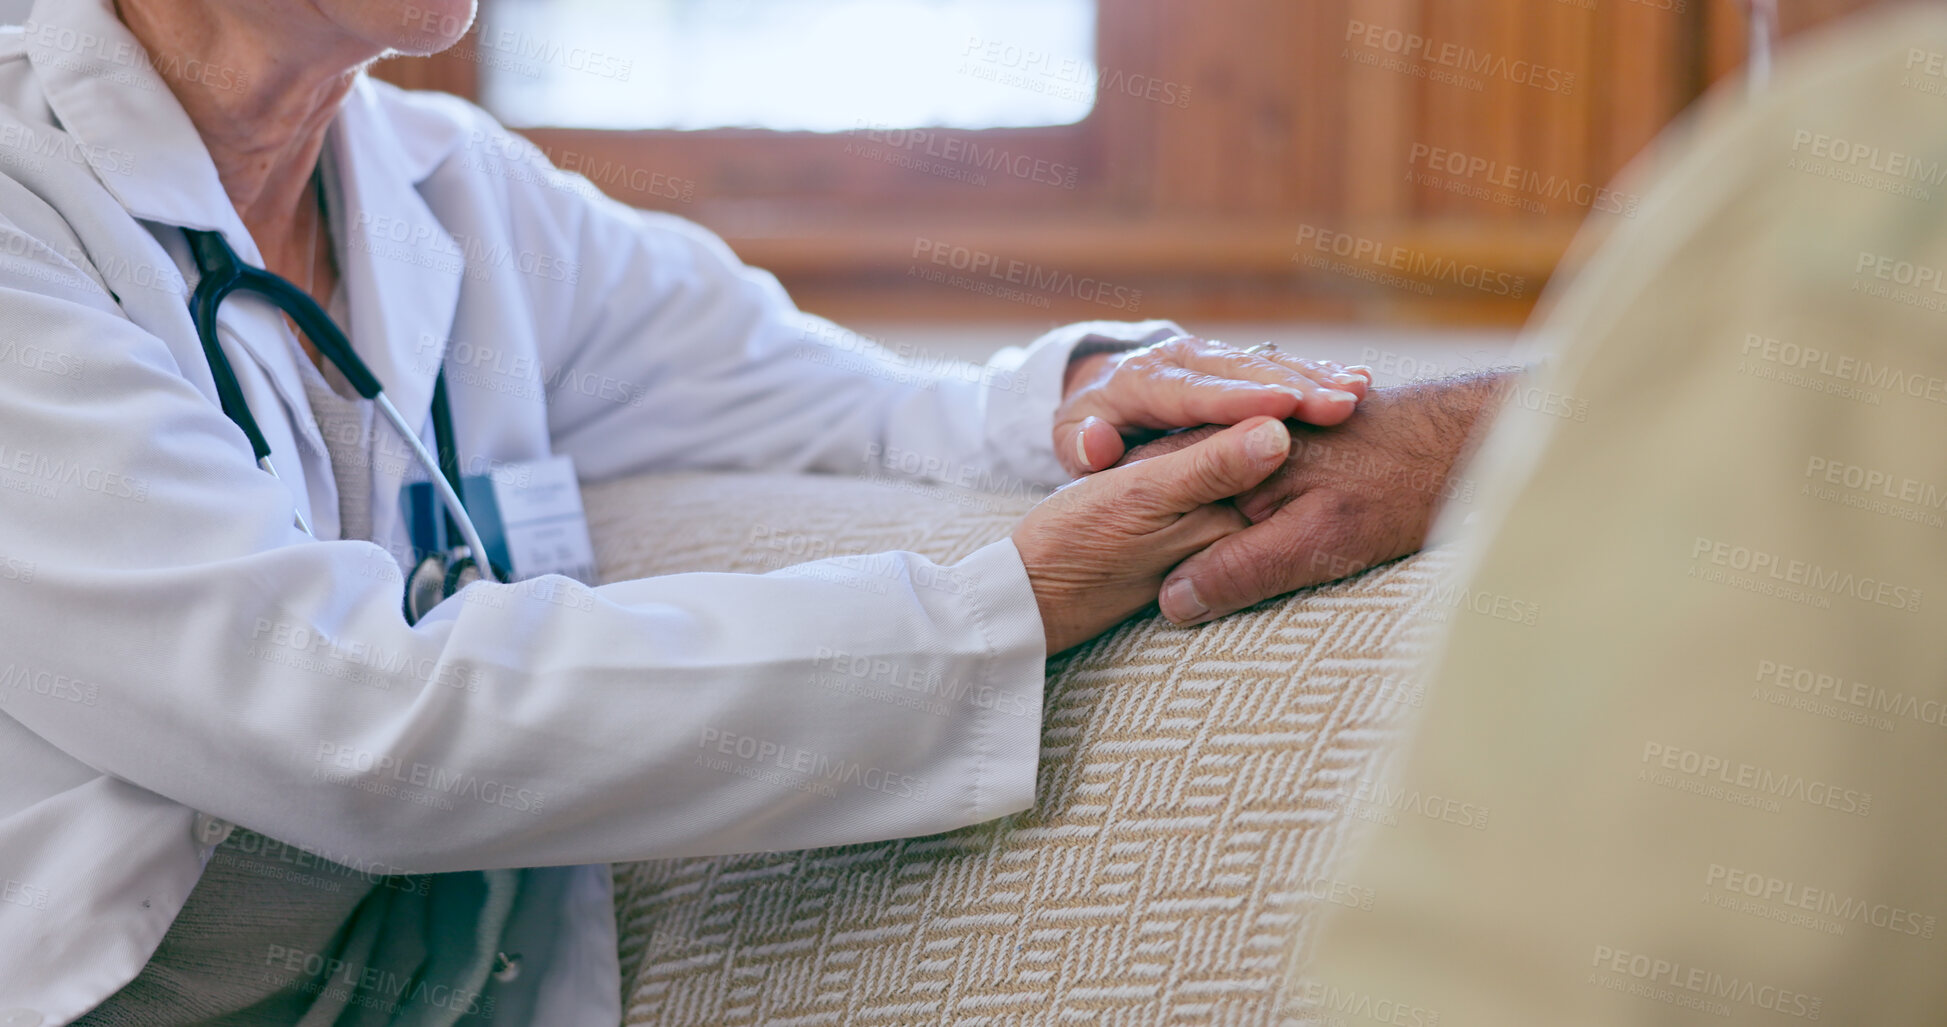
(1194, 787)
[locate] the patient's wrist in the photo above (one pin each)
(1455, 405)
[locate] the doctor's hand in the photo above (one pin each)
(1097, 549)
(1111, 399)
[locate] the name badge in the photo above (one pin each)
(529, 516)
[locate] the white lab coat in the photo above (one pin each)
(158, 677)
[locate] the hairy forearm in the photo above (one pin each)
(1454, 413)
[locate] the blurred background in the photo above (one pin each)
(1381, 181)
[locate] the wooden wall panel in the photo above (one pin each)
(1380, 126)
(1723, 36)
(1322, 112)
(1570, 29)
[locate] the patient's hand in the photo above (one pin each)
(1097, 549)
(1349, 497)
(1186, 381)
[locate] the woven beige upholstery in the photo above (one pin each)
(1188, 798)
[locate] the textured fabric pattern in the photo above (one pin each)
(1194, 784)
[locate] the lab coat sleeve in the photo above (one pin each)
(178, 633)
(710, 365)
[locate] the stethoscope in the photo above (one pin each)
(439, 574)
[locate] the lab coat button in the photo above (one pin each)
(209, 831)
(19, 1018)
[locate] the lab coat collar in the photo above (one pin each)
(401, 269)
(128, 126)
(130, 129)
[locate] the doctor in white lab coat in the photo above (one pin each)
(180, 665)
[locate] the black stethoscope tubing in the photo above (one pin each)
(223, 273)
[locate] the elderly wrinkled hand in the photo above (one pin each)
(1111, 399)
(1097, 549)
(1349, 497)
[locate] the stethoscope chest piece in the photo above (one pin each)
(436, 577)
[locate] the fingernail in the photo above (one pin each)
(1361, 370)
(1180, 602)
(1348, 379)
(1335, 396)
(1081, 449)
(1268, 441)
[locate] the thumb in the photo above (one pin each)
(1234, 572)
(1097, 445)
(1218, 467)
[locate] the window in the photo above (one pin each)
(704, 64)
(1199, 144)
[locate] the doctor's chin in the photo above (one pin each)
(972, 513)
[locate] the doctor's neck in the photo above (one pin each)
(265, 137)
(295, 60)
